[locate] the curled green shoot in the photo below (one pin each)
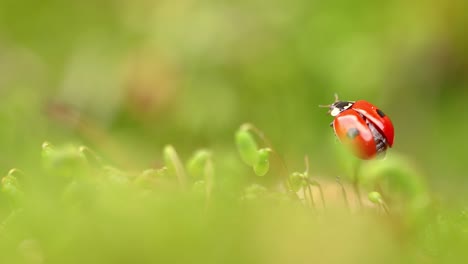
(174, 165)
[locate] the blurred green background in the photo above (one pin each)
(147, 73)
(187, 72)
(128, 77)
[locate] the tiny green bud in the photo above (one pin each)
(174, 165)
(375, 197)
(46, 150)
(65, 160)
(247, 146)
(297, 180)
(11, 187)
(262, 165)
(169, 155)
(196, 164)
(87, 152)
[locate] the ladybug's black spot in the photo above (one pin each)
(352, 133)
(381, 114)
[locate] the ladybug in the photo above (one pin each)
(363, 126)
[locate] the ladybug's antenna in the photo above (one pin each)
(328, 106)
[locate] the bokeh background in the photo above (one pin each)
(127, 77)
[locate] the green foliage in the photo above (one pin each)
(403, 185)
(174, 165)
(247, 146)
(248, 149)
(297, 181)
(63, 160)
(149, 178)
(197, 163)
(127, 77)
(11, 188)
(375, 197)
(100, 208)
(262, 165)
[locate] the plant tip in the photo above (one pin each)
(46, 144)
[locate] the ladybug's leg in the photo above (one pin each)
(381, 145)
(381, 155)
(380, 142)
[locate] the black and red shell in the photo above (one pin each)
(362, 126)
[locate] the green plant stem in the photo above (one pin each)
(306, 163)
(316, 184)
(96, 157)
(384, 206)
(178, 167)
(10, 218)
(14, 171)
(209, 181)
(357, 191)
(306, 173)
(304, 194)
(343, 192)
(312, 202)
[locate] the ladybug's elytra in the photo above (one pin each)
(363, 126)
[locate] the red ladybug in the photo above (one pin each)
(363, 126)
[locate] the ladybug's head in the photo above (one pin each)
(338, 106)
